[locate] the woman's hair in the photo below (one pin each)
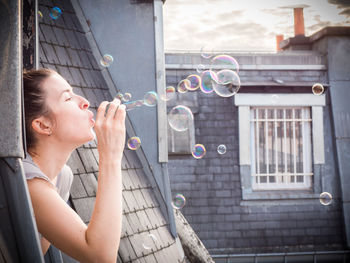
(34, 100)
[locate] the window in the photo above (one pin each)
(281, 146)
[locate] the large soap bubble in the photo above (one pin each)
(227, 83)
(180, 117)
(220, 62)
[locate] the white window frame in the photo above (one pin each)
(307, 159)
(245, 101)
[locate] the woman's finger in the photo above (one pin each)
(112, 109)
(101, 110)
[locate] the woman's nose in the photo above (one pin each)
(84, 103)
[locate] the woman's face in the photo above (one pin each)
(72, 121)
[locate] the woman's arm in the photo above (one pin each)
(59, 224)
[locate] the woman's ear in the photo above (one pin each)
(42, 125)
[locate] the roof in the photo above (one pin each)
(64, 47)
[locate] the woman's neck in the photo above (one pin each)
(50, 160)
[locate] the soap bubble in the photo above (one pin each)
(195, 82)
(225, 62)
(326, 198)
(119, 96)
(179, 201)
(183, 86)
(222, 149)
(228, 83)
(55, 13)
(198, 151)
(207, 81)
(170, 93)
(200, 68)
(134, 143)
(106, 60)
(149, 241)
(126, 96)
(180, 117)
(150, 99)
(317, 89)
(274, 98)
(205, 53)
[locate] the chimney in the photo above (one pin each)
(299, 28)
(279, 38)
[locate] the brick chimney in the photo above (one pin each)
(299, 28)
(279, 38)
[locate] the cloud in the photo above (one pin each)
(344, 5)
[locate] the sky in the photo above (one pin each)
(247, 26)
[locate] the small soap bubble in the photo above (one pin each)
(275, 98)
(200, 68)
(227, 83)
(170, 93)
(183, 86)
(106, 60)
(326, 198)
(149, 241)
(225, 62)
(317, 89)
(179, 201)
(195, 82)
(205, 53)
(126, 97)
(55, 13)
(150, 99)
(40, 15)
(180, 117)
(222, 149)
(207, 81)
(198, 151)
(134, 143)
(119, 96)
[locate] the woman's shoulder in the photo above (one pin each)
(31, 170)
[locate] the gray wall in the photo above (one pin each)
(212, 186)
(337, 50)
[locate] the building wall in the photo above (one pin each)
(212, 185)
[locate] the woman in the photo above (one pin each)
(57, 122)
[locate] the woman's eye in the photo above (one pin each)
(68, 98)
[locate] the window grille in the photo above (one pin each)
(281, 148)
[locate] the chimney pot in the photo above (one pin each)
(279, 39)
(299, 28)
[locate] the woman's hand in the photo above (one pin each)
(110, 130)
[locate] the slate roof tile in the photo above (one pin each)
(67, 6)
(41, 35)
(139, 197)
(62, 55)
(78, 190)
(133, 222)
(74, 162)
(64, 72)
(88, 160)
(77, 77)
(136, 242)
(73, 42)
(133, 160)
(90, 95)
(46, 2)
(82, 41)
(49, 34)
(88, 79)
(125, 205)
(50, 53)
(60, 36)
(84, 58)
(142, 178)
(84, 207)
(74, 58)
(99, 95)
(130, 200)
(42, 54)
(147, 198)
(126, 250)
(49, 66)
(127, 182)
(45, 10)
(68, 20)
(144, 221)
(92, 61)
(90, 183)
